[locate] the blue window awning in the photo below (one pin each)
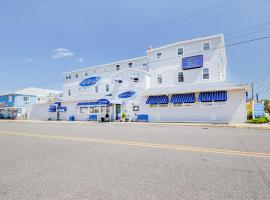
(183, 98)
(213, 96)
(87, 104)
(163, 99)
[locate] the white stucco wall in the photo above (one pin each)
(234, 111)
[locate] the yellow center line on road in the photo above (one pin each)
(142, 144)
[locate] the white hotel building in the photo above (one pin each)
(180, 82)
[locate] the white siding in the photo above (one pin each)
(232, 112)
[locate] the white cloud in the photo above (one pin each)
(61, 53)
(80, 60)
(29, 60)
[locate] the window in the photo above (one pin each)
(130, 65)
(107, 88)
(136, 108)
(205, 73)
(117, 67)
(84, 110)
(159, 78)
(69, 77)
(9, 98)
(206, 46)
(96, 89)
(69, 92)
(159, 54)
(26, 99)
(86, 74)
(163, 105)
(135, 78)
(119, 80)
(180, 51)
(153, 105)
(94, 71)
(76, 76)
(180, 77)
(92, 110)
(66, 77)
(146, 67)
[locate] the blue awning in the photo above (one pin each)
(87, 104)
(163, 99)
(183, 98)
(62, 109)
(103, 102)
(52, 109)
(213, 96)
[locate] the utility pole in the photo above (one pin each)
(252, 91)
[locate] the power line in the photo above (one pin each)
(191, 53)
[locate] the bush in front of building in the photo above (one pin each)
(123, 117)
(249, 115)
(260, 120)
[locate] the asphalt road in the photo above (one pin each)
(132, 161)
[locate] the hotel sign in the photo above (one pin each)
(127, 94)
(258, 110)
(192, 62)
(89, 81)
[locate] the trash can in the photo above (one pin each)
(71, 118)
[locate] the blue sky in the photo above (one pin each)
(41, 39)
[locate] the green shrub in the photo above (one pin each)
(249, 115)
(124, 115)
(260, 120)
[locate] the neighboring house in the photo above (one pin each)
(14, 104)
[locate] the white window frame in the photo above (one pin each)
(153, 105)
(159, 76)
(159, 54)
(107, 88)
(137, 108)
(69, 92)
(178, 77)
(96, 88)
(214, 104)
(130, 65)
(10, 98)
(119, 80)
(183, 105)
(163, 105)
(204, 68)
(117, 67)
(205, 43)
(183, 51)
(85, 110)
(135, 78)
(27, 97)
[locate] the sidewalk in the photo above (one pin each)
(243, 125)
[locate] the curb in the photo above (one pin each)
(246, 126)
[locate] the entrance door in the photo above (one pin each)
(58, 117)
(117, 111)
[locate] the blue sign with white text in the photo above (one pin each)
(89, 81)
(258, 110)
(102, 102)
(127, 94)
(192, 62)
